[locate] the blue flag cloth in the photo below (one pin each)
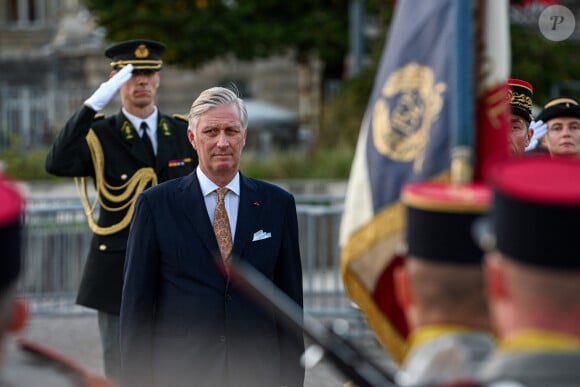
(408, 129)
(412, 124)
(404, 137)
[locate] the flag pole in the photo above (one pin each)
(462, 96)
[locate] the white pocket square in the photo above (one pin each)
(259, 235)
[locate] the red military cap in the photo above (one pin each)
(440, 219)
(11, 209)
(537, 193)
(520, 98)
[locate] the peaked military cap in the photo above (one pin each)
(560, 107)
(141, 53)
(11, 207)
(440, 219)
(520, 98)
(537, 193)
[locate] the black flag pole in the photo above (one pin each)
(360, 368)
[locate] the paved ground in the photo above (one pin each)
(77, 337)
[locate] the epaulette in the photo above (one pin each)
(88, 378)
(181, 117)
(98, 116)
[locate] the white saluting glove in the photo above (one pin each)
(540, 128)
(107, 90)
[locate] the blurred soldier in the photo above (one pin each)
(562, 115)
(124, 154)
(520, 98)
(25, 363)
(533, 285)
(440, 286)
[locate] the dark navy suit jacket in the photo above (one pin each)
(182, 322)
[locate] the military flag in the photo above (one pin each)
(413, 123)
(492, 111)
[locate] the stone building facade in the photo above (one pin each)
(51, 59)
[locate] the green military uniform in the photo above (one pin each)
(112, 153)
(122, 163)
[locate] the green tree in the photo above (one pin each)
(542, 62)
(198, 31)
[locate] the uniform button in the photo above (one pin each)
(228, 297)
(223, 339)
(103, 247)
(124, 176)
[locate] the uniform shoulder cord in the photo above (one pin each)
(126, 199)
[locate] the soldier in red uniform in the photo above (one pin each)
(22, 362)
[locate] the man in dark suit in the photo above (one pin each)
(124, 154)
(183, 322)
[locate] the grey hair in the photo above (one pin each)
(213, 97)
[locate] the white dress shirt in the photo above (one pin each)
(231, 201)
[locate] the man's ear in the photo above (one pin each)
(19, 315)
(191, 138)
(403, 291)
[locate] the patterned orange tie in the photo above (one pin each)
(221, 225)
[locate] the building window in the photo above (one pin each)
(25, 13)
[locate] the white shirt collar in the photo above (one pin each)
(136, 121)
(208, 186)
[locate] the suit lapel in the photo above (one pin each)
(251, 206)
(193, 207)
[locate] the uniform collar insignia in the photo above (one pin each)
(127, 130)
(165, 128)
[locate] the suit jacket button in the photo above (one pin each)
(223, 339)
(124, 176)
(102, 247)
(228, 297)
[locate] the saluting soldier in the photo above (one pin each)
(22, 362)
(520, 98)
(124, 154)
(562, 118)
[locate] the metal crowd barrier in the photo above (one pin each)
(57, 239)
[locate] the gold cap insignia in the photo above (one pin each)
(142, 51)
